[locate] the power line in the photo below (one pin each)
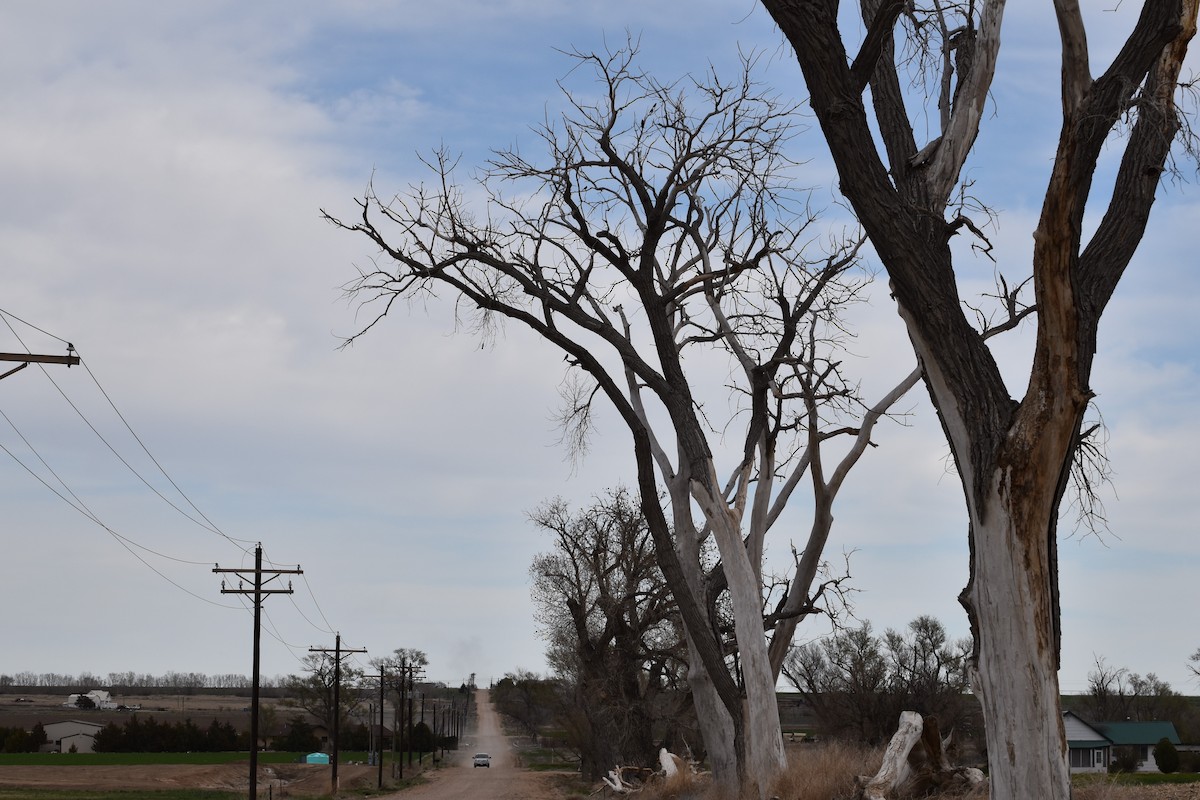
(29, 325)
(207, 524)
(211, 526)
(124, 541)
(80, 506)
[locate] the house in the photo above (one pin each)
(1141, 736)
(61, 736)
(1089, 750)
(1090, 745)
(98, 697)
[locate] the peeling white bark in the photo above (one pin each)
(895, 770)
(1016, 675)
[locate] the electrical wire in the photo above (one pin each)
(211, 526)
(305, 617)
(207, 524)
(30, 325)
(125, 542)
(328, 627)
(76, 502)
(81, 507)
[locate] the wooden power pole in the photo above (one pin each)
(338, 654)
(257, 590)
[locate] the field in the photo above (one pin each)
(164, 776)
(204, 780)
(26, 709)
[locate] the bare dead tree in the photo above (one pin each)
(662, 247)
(610, 623)
(1013, 455)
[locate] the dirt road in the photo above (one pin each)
(504, 780)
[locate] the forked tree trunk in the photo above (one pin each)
(1012, 468)
(1010, 600)
(1012, 456)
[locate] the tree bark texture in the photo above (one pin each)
(1013, 456)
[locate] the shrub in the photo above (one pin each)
(1124, 759)
(1166, 756)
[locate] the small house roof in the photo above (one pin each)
(1138, 733)
(1081, 735)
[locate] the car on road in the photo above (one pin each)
(482, 760)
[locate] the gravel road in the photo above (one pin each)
(504, 780)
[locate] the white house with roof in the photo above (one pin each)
(1089, 750)
(1091, 745)
(99, 697)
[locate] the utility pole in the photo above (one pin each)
(31, 358)
(397, 726)
(421, 755)
(379, 738)
(338, 655)
(258, 592)
(412, 676)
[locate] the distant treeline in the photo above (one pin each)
(144, 735)
(176, 682)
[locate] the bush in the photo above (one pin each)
(423, 740)
(1124, 759)
(1166, 756)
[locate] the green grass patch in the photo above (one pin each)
(121, 759)
(1153, 778)
(122, 794)
(546, 758)
(1137, 778)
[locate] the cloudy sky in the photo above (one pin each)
(162, 167)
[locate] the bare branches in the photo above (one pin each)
(658, 239)
(1091, 471)
(1012, 303)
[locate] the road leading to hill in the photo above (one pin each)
(504, 780)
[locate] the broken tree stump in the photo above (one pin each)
(916, 763)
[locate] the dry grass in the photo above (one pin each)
(815, 772)
(829, 771)
(826, 771)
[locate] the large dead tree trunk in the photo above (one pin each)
(1013, 456)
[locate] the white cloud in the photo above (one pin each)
(163, 167)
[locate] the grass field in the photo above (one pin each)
(117, 759)
(124, 794)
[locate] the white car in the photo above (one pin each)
(482, 760)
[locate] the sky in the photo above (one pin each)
(162, 171)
